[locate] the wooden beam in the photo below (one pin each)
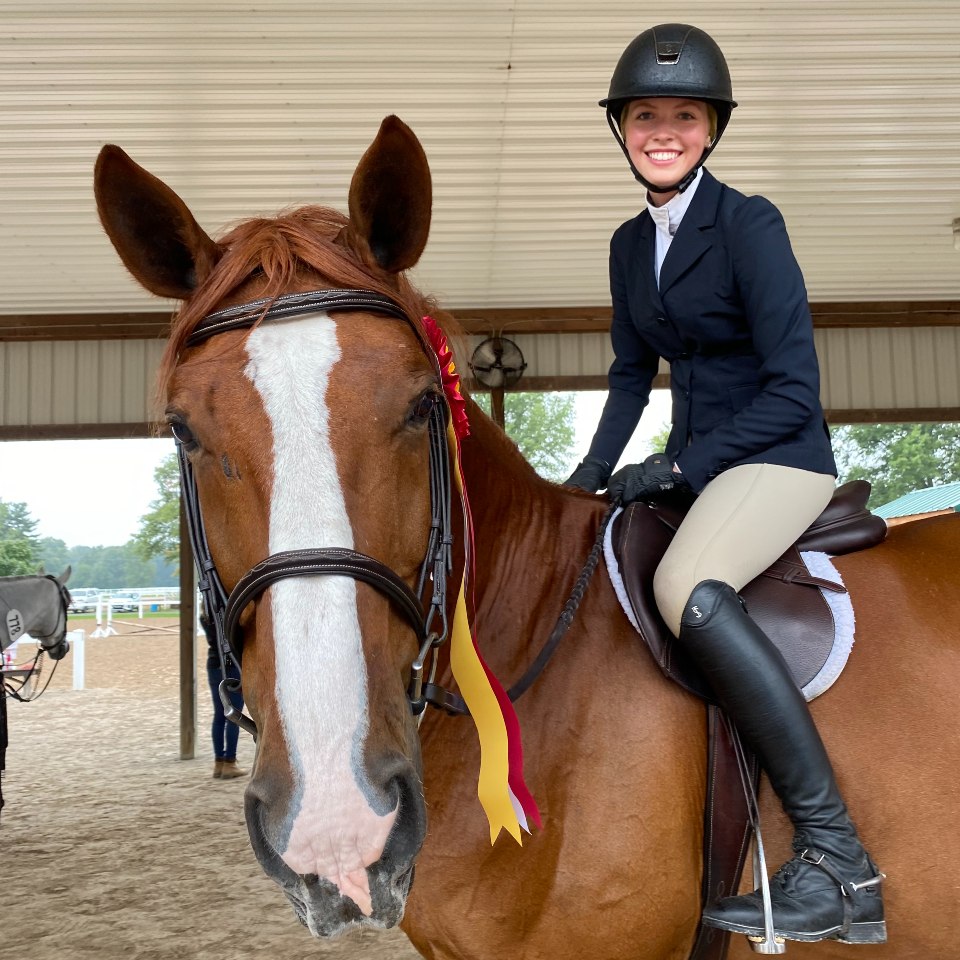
(84, 326)
(563, 384)
(883, 313)
(479, 321)
(895, 415)
(85, 431)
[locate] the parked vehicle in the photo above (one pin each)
(125, 601)
(83, 600)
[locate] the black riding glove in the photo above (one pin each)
(643, 481)
(591, 474)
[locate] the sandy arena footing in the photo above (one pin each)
(113, 847)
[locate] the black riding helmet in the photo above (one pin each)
(671, 60)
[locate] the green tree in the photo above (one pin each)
(658, 442)
(17, 557)
(159, 533)
(898, 457)
(19, 545)
(55, 556)
(542, 426)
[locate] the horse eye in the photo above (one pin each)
(182, 433)
(422, 407)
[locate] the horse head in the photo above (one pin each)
(37, 605)
(305, 432)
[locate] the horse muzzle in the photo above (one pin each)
(58, 651)
(374, 895)
(327, 913)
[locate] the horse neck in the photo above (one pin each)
(531, 539)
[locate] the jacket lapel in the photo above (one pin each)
(694, 236)
(647, 255)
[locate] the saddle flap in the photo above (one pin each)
(784, 602)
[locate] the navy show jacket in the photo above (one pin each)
(731, 317)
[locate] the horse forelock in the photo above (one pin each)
(267, 257)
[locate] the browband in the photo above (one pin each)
(293, 305)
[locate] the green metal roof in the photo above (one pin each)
(946, 496)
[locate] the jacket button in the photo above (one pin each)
(662, 321)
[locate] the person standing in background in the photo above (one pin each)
(224, 733)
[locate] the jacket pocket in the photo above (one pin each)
(741, 395)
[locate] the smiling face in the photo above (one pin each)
(665, 138)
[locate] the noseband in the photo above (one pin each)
(224, 610)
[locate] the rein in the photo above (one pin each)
(437, 696)
(225, 609)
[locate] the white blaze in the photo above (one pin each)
(321, 687)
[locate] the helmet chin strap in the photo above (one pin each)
(680, 185)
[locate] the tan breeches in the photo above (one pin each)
(742, 521)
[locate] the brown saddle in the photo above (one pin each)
(783, 600)
(793, 614)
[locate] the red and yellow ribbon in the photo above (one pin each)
(504, 796)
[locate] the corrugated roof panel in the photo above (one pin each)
(891, 367)
(838, 123)
(113, 381)
(67, 384)
(943, 497)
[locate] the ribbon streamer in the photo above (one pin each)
(504, 796)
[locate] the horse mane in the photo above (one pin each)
(277, 251)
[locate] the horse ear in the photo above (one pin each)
(390, 200)
(65, 576)
(151, 228)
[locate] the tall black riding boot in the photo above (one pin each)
(831, 888)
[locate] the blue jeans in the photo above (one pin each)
(225, 734)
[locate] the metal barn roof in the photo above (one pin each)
(849, 120)
(946, 496)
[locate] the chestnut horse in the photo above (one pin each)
(308, 432)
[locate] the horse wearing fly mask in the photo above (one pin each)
(34, 606)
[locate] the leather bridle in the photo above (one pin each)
(224, 610)
(56, 639)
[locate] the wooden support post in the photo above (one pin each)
(188, 643)
(496, 406)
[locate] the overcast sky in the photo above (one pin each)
(94, 492)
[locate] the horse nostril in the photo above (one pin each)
(411, 822)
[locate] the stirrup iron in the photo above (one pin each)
(769, 943)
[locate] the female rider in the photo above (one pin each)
(705, 278)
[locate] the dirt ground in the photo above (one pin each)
(113, 847)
